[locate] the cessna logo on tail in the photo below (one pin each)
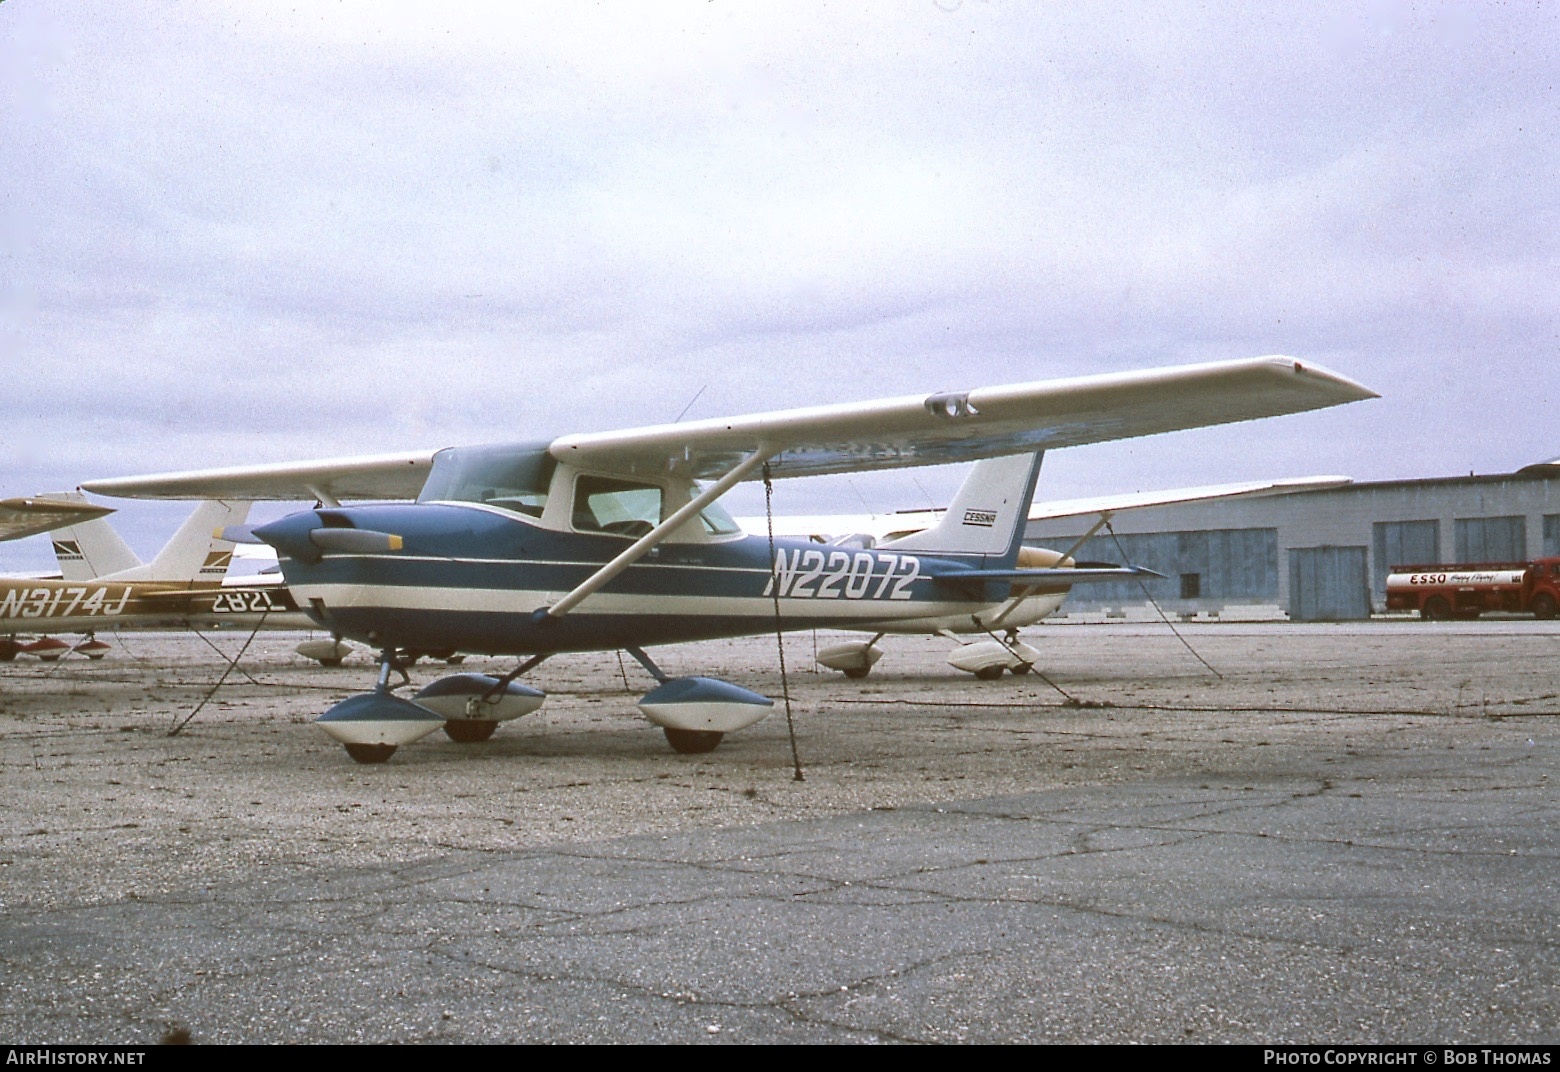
(983, 518)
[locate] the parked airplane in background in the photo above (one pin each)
(104, 587)
(987, 659)
(608, 541)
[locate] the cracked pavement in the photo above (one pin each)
(1350, 837)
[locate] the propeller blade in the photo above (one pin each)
(238, 534)
(354, 541)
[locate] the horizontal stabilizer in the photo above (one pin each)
(172, 596)
(1065, 575)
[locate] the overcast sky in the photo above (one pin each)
(245, 232)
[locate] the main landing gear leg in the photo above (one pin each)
(1010, 639)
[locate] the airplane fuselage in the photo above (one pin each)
(477, 579)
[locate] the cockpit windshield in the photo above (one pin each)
(511, 477)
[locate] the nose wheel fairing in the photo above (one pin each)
(474, 704)
(374, 724)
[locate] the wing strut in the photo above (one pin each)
(596, 581)
(1022, 594)
(1105, 516)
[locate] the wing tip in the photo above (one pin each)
(1344, 385)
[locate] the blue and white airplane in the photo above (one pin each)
(611, 541)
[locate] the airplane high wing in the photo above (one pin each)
(935, 429)
(29, 517)
(330, 481)
(609, 541)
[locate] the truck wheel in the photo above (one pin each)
(1435, 609)
(1544, 606)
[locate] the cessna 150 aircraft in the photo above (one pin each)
(609, 541)
(104, 587)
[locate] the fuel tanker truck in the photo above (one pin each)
(1465, 590)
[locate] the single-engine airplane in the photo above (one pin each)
(609, 541)
(104, 587)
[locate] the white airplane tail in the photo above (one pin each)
(91, 549)
(196, 552)
(988, 514)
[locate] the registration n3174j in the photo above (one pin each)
(64, 601)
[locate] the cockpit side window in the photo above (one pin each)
(717, 522)
(509, 477)
(618, 507)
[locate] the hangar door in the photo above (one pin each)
(1403, 543)
(1328, 584)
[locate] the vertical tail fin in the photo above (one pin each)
(196, 552)
(91, 549)
(988, 514)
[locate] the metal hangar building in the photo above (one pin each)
(1316, 555)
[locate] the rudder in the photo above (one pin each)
(196, 552)
(91, 549)
(987, 516)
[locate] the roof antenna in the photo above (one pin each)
(860, 496)
(691, 401)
